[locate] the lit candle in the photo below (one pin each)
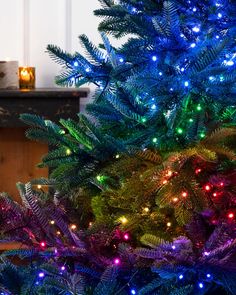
(27, 77)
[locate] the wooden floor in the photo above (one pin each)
(18, 159)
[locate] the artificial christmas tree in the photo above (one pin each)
(146, 179)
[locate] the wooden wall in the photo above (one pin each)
(18, 159)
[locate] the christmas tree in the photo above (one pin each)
(142, 191)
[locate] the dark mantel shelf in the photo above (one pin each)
(49, 103)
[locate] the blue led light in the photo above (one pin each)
(208, 275)
(133, 292)
(219, 15)
(194, 9)
(196, 29)
(229, 63)
(173, 247)
(160, 73)
(76, 64)
(200, 285)
(87, 70)
(154, 58)
(182, 69)
(186, 83)
(41, 275)
(153, 107)
(181, 277)
(193, 45)
(121, 60)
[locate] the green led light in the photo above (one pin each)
(202, 134)
(190, 120)
(199, 108)
(144, 120)
(154, 140)
(100, 178)
(179, 130)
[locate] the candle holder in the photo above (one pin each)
(27, 77)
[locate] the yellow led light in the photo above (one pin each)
(164, 181)
(68, 152)
(168, 224)
(39, 186)
(123, 220)
(52, 222)
(175, 200)
(58, 232)
(169, 173)
(146, 209)
(73, 226)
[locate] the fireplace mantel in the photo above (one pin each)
(50, 103)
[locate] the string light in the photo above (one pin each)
(202, 134)
(121, 60)
(123, 220)
(222, 184)
(117, 156)
(196, 29)
(186, 83)
(181, 277)
(193, 45)
(184, 194)
(180, 130)
(154, 140)
(169, 173)
(146, 209)
(73, 226)
(126, 237)
(68, 152)
(153, 107)
(173, 247)
(117, 261)
(208, 275)
(133, 292)
(215, 195)
(199, 108)
(175, 200)
(52, 222)
(154, 58)
(219, 15)
(198, 170)
(87, 70)
(200, 285)
(207, 187)
(190, 120)
(43, 244)
(39, 186)
(168, 224)
(206, 253)
(63, 268)
(164, 181)
(231, 215)
(160, 73)
(58, 233)
(144, 120)
(41, 275)
(194, 9)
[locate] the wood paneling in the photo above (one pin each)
(18, 159)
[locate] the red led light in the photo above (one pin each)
(231, 215)
(184, 194)
(199, 170)
(43, 244)
(207, 187)
(222, 184)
